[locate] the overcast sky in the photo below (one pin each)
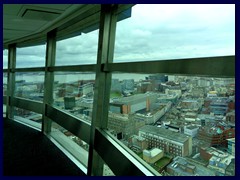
(154, 32)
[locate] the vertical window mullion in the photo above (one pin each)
(49, 79)
(103, 82)
(11, 80)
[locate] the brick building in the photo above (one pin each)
(176, 144)
(215, 136)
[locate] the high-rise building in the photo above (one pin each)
(116, 86)
(69, 102)
(128, 85)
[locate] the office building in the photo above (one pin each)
(219, 162)
(180, 166)
(164, 98)
(138, 142)
(132, 104)
(215, 136)
(151, 117)
(116, 86)
(190, 105)
(86, 89)
(145, 86)
(191, 130)
(230, 117)
(121, 124)
(128, 85)
(217, 105)
(157, 80)
(170, 142)
(69, 102)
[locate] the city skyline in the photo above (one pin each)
(163, 106)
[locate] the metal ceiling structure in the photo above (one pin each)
(28, 24)
(22, 22)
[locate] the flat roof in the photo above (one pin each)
(199, 169)
(133, 99)
(154, 152)
(192, 127)
(164, 133)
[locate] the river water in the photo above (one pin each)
(63, 78)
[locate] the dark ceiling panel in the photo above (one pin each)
(39, 15)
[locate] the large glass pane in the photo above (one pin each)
(107, 171)
(5, 59)
(33, 56)
(180, 125)
(4, 84)
(77, 50)
(4, 92)
(174, 31)
(30, 85)
(76, 146)
(4, 110)
(74, 92)
(28, 117)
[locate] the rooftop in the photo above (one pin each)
(153, 152)
(192, 127)
(199, 169)
(133, 99)
(181, 138)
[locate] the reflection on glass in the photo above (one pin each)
(33, 56)
(175, 122)
(174, 31)
(81, 49)
(30, 85)
(77, 147)
(5, 59)
(4, 110)
(4, 84)
(28, 117)
(107, 171)
(74, 92)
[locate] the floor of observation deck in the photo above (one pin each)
(27, 152)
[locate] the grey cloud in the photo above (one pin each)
(78, 50)
(34, 50)
(182, 35)
(31, 56)
(30, 60)
(5, 59)
(154, 32)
